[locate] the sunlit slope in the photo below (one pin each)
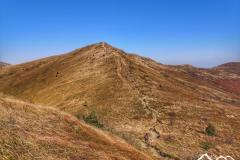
(35, 132)
(160, 109)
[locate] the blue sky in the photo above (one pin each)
(203, 33)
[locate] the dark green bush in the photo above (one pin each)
(207, 145)
(210, 130)
(93, 120)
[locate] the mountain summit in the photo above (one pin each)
(163, 110)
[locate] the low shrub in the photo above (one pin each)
(207, 145)
(92, 119)
(210, 130)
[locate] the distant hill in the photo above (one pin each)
(162, 110)
(2, 64)
(233, 67)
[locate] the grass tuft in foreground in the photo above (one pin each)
(92, 119)
(210, 130)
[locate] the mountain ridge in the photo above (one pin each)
(151, 105)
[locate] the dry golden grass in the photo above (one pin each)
(35, 132)
(162, 110)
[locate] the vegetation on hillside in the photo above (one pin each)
(29, 132)
(210, 130)
(93, 120)
(156, 107)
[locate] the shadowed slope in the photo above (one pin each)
(35, 132)
(160, 109)
(233, 67)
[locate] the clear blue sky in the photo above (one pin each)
(203, 33)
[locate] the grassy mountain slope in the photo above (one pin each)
(35, 132)
(161, 109)
(232, 67)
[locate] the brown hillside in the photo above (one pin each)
(232, 67)
(161, 109)
(229, 73)
(34, 132)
